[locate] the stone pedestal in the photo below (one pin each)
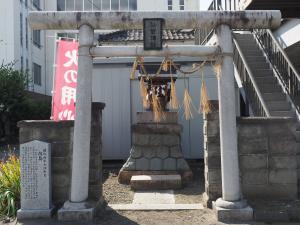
(73, 211)
(232, 211)
(155, 149)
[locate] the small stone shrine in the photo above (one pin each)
(35, 180)
(156, 145)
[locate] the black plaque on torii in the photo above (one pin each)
(152, 29)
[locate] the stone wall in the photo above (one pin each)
(60, 135)
(267, 158)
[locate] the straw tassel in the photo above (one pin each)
(134, 67)
(143, 92)
(165, 64)
(187, 101)
(173, 98)
(218, 67)
(205, 106)
(157, 109)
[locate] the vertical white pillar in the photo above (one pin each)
(227, 114)
(82, 127)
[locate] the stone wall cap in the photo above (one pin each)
(45, 123)
(266, 120)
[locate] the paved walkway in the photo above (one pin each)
(154, 200)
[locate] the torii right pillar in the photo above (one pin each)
(231, 206)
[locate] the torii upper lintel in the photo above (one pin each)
(49, 20)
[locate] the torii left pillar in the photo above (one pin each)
(77, 208)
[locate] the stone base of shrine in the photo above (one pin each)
(156, 149)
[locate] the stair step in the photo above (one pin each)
(283, 113)
(279, 105)
(269, 88)
(155, 182)
(274, 96)
(262, 72)
(253, 53)
(243, 36)
(266, 80)
(246, 49)
(259, 65)
(298, 126)
(256, 58)
(298, 136)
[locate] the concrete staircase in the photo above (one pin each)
(271, 90)
(268, 84)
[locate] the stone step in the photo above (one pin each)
(274, 96)
(283, 113)
(269, 88)
(247, 49)
(262, 72)
(154, 207)
(298, 136)
(256, 58)
(253, 53)
(279, 105)
(155, 182)
(258, 65)
(266, 80)
(298, 126)
(246, 40)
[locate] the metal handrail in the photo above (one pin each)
(255, 97)
(284, 54)
(281, 63)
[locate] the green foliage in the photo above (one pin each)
(15, 105)
(12, 86)
(10, 187)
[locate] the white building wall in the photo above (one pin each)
(7, 28)
(161, 5)
(288, 33)
(146, 5)
(11, 49)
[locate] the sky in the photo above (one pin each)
(204, 4)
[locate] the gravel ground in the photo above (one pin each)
(113, 191)
(192, 192)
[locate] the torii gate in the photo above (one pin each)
(87, 22)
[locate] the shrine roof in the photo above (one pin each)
(137, 35)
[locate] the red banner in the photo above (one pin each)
(65, 81)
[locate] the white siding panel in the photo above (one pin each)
(111, 86)
(185, 134)
(136, 101)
